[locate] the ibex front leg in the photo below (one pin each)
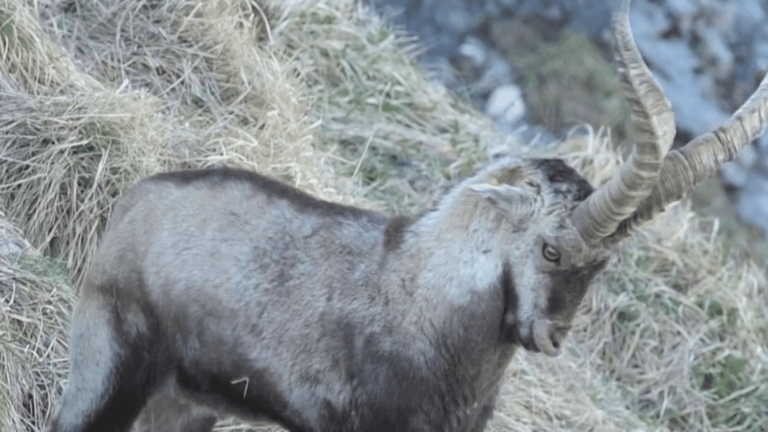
(113, 366)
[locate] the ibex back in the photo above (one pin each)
(224, 291)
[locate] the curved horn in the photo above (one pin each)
(654, 128)
(687, 167)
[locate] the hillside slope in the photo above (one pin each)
(95, 95)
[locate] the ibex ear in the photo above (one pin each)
(506, 189)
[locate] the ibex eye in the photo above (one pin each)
(550, 253)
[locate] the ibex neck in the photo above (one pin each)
(447, 267)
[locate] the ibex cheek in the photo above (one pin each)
(548, 337)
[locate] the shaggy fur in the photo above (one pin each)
(227, 290)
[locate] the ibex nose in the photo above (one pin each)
(548, 336)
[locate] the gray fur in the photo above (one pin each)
(226, 290)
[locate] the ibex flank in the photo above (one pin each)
(222, 291)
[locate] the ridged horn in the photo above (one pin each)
(653, 124)
(687, 167)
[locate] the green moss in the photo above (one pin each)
(566, 81)
(627, 314)
(10, 37)
(43, 266)
(737, 399)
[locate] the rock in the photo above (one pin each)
(549, 10)
(482, 69)
(682, 8)
(505, 105)
(762, 144)
(759, 55)
(677, 69)
(762, 154)
(750, 16)
(455, 19)
(716, 51)
(497, 72)
(736, 173)
(508, 4)
(474, 51)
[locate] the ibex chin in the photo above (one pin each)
(224, 291)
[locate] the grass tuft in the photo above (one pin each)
(35, 305)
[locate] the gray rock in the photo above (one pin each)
(550, 10)
(497, 72)
(508, 4)
(736, 173)
(759, 54)
(762, 145)
(716, 51)
(750, 15)
(691, 94)
(474, 51)
(682, 8)
(506, 105)
(455, 20)
(761, 148)
(676, 68)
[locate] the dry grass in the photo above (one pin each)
(97, 94)
(35, 304)
(181, 87)
(389, 126)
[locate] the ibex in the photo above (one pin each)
(224, 291)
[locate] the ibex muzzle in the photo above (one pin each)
(224, 291)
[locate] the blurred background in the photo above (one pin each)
(538, 68)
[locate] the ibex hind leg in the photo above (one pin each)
(112, 367)
(166, 412)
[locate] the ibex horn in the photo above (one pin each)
(654, 129)
(687, 167)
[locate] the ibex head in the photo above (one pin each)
(572, 229)
(527, 206)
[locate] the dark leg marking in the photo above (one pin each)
(113, 368)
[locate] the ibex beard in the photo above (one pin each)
(223, 291)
